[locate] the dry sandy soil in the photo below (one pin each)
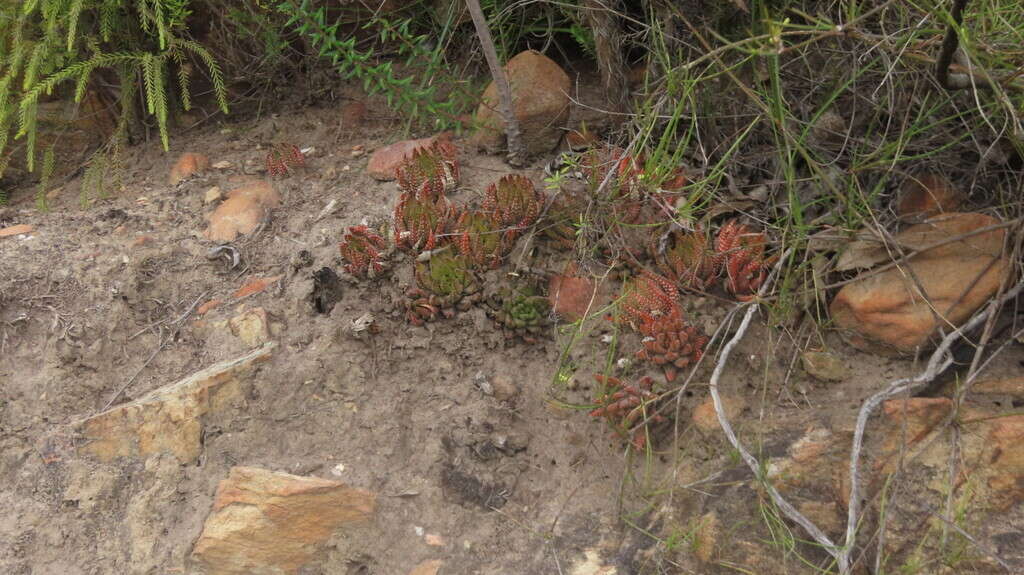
(511, 474)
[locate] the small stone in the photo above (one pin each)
(252, 327)
(207, 306)
(255, 286)
(242, 212)
(223, 165)
(357, 153)
(434, 540)
(16, 230)
(823, 365)
(188, 165)
(573, 297)
(706, 419)
(482, 383)
(592, 564)
(503, 388)
(430, 567)
(927, 195)
(212, 195)
(142, 240)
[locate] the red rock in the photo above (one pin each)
(267, 522)
(573, 297)
(16, 230)
(188, 164)
(142, 240)
(884, 313)
(383, 162)
(255, 286)
(540, 102)
(927, 195)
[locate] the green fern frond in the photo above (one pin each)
(216, 76)
(183, 80)
(74, 13)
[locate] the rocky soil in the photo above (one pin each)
(189, 383)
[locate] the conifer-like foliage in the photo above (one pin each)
(46, 45)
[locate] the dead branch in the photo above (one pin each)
(516, 149)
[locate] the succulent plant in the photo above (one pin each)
(444, 284)
(646, 298)
(282, 157)
(419, 219)
(626, 405)
(478, 236)
(524, 312)
(515, 203)
(742, 252)
(668, 341)
(429, 170)
(686, 258)
(361, 249)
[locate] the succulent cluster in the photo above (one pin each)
(523, 312)
(686, 258)
(282, 158)
(626, 405)
(515, 203)
(650, 305)
(430, 171)
(361, 250)
(479, 237)
(420, 219)
(671, 343)
(445, 283)
(742, 251)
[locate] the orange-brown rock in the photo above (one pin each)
(429, 567)
(188, 164)
(383, 162)
(927, 195)
(242, 211)
(16, 230)
(1006, 459)
(170, 419)
(264, 522)
(540, 102)
(887, 312)
(706, 419)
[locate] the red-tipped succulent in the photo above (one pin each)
(282, 158)
(420, 219)
(686, 258)
(648, 298)
(429, 170)
(741, 251)
(515, 203)
(671, 343)
(626, 405)
(361, 249)
(478, 237)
